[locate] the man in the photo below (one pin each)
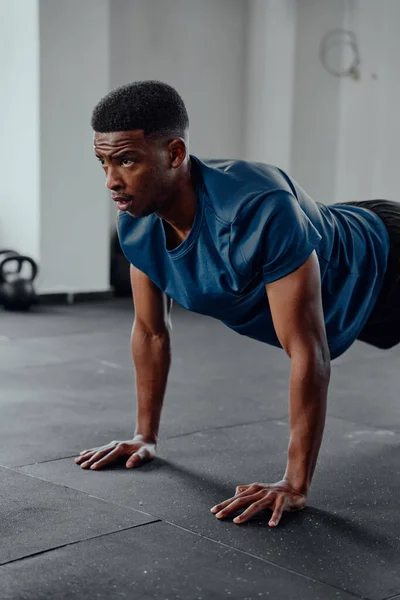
(241, 242)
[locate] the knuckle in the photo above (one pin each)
(242, 502)
(256, 486)
(122, 446)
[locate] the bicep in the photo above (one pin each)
(152, 305)
(296, 308)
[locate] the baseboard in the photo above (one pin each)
(76, 297)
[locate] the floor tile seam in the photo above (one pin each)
(351, 422)
(105, 501)
(94, 537)
(396, 597)
(206, 429)
(166, 439)
(158, 519)
(265, 560)
(43, 462)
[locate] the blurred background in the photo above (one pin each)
(312, 86)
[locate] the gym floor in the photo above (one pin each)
(68, 384)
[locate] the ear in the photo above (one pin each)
(177, 152)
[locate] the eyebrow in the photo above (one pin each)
(122, 155)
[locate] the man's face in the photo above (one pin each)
(138, 170)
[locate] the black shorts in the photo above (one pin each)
(383, 326)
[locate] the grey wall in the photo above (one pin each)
(316, 102)
(74, 74)
(198, 47)
(249, 73)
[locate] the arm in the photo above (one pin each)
(151, 352)
(297, 313)
(296, 308)
(152, 357)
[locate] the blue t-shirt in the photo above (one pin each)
(254, 225)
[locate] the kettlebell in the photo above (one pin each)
(10, 253)
(17, 292)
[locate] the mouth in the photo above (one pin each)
(123, 203)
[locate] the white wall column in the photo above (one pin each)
(19, 126)
(54, 67)
(270, 80)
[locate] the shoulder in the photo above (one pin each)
(276, 213)
(230, 185)
(272, 232)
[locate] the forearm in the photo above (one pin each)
(152, 359)
(309, 381)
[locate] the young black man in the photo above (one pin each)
(241, 242)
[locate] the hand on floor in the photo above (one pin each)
(257, 497)
(138, 450)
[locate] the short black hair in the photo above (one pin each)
(153, 106)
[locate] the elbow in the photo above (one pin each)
(314, 356)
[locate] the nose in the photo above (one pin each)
(113, 180)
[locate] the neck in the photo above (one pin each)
(179, 213)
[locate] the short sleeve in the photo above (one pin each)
(272, 234)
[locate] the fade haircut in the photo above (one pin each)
(153, 106)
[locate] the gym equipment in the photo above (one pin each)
(17, 291)
(4, 254)
(8, 252)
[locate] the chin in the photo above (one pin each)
(140, 214)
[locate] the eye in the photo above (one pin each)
(100, 160)
(127, 162)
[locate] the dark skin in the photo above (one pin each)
(154, 176)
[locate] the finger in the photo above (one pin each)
(81, 459)
(108, 459)
(241, 488)
(84, 458)
(237, 504)
(255, 508)
(133, 461)
(222, 505)
(90, 461)
(89, 450)
(140, 456)
(278, 510)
